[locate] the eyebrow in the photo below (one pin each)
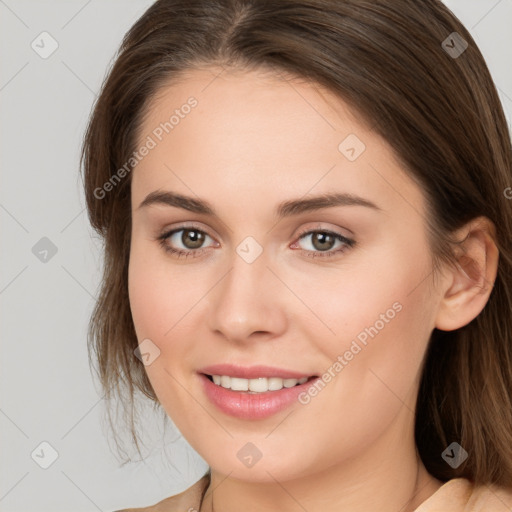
(285, 209)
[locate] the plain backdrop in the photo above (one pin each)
(51, 409)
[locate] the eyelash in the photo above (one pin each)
(348, 243)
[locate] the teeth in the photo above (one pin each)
(259, 385)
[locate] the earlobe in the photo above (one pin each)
(470, 282)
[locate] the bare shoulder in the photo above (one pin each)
(187, 501)
(491, 498)
(462, 495)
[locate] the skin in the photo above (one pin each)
(253, 141)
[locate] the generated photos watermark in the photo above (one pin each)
(150, 143)
(357, 345)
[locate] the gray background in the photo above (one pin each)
(47, 392)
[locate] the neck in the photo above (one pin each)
(388, 476)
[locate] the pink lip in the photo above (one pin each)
(251, 372)
(249, 406)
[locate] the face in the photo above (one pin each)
(268, 276)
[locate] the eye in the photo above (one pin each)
(322, 241)
(191, 238)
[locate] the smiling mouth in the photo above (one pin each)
(258, 385)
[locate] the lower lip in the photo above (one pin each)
(252, 406)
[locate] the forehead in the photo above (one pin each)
(261, 135)
(252, 100)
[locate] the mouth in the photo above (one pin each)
(254, 398)
(256, 385)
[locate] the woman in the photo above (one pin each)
(308, 255)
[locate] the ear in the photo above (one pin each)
(467, 287)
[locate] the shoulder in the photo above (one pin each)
(187, 501)
(490, 498)
(461, 495)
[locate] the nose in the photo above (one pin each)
(249, 302)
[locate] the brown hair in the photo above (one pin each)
(439, 112)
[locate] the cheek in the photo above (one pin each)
(149, 299)
(380, 317)
(160, 300)
(165, 301)
(374, 361)
(377, 295)
(399, 348)
(160, 293)
(153, 292)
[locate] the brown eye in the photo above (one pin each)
(184, 241)
(322, 243)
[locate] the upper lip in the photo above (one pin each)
(252, 372)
